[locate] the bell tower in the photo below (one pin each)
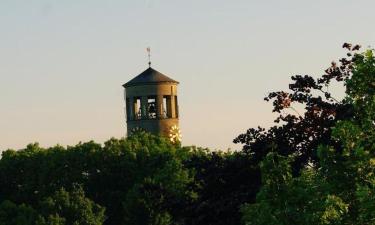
(151, 104)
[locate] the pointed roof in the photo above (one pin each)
(149, 76)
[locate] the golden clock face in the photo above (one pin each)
(175, 134)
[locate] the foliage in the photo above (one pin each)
(63, 208)
(223, 182)
(284, 199)
(12, 214)
(142, 172)
(301, 133)
(340, 189)
(71, 208)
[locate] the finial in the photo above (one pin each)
(149, 56)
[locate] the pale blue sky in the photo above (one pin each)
(62, 63)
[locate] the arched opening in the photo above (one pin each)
(151, 107)
(167, 107)
(137, 108)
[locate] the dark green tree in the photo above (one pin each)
(71, 208)
(12, 214)
(159, 196)
(114, 175)
(223, 182)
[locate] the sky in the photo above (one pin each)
(62, 63)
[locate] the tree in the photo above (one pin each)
(301, 200)
(63, 208)
(300, 133)
(341, 188)
(73, 207)
(223, 182)
(297, 133)
(160, 192)
(12, 214)
(114, 176)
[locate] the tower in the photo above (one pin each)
(151, 104)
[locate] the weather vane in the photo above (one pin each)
(149, 56)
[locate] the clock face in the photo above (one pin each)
(175, 134)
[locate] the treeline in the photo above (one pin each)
(311, 167)
(143, 179)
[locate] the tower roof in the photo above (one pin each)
(149, 76)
